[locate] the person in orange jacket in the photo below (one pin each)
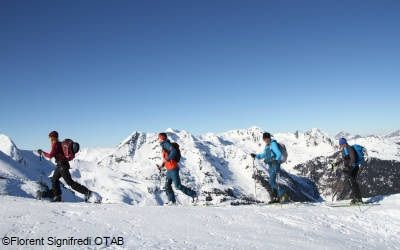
(170, 161)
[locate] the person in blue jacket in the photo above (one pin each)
(351, 167)
(272, 157)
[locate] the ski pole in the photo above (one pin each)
(336, 188)
(159, 176)
(278, 177)
(41, 184)
(255, 185)
(352, 193)
(40, 190)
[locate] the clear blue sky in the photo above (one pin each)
(98, 70)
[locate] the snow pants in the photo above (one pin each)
(274, 169)
(62, 171)
(172, 176)
(351, 175)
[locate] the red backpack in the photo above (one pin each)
(69, 148)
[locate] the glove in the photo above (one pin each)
(40, 152)
(253, 155)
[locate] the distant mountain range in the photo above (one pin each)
(218, 166)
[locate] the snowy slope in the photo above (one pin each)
(292, 226)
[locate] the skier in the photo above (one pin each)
(272, 157)
(352, 164)
(62, 170)
(171, 157)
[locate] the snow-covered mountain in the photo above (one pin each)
(8, 147)
(347, 135)
(218, 166)
(394, 136)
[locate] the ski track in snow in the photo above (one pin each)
(293, 226)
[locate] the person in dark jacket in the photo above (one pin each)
(169, 154)
(351, 167)
(62, 170)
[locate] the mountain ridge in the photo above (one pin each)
(218, 166)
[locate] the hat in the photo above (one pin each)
(267, 135)
(53, 134)
(342, 141)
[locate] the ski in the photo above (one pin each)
(297, 204)
(352, 205)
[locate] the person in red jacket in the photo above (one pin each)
(169, 154)
(62, 170)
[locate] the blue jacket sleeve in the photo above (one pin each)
(172, 151)
(277, 152)
(262, 155)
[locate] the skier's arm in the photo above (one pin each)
(349, 157)
(276, 150)
(52, 153)
(262, 155)
(353, 157)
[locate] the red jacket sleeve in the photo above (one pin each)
(52, 153)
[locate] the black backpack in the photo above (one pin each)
(178, 151)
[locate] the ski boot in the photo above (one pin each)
(170, 203)
(195, 199)
(284, 199)
(274, 197)
(355, 202)
(273, 200)
(57, 198)
(39, 195)
(88, 195)
(93, 197)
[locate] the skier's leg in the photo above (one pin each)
(178, 185)
(347, 174)
(281, 189)
(74, 185)
(266, 185)
(55, 182)
(168, 188)
(272, 182)
(354, 184)
(350, 175)
(272, 177)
